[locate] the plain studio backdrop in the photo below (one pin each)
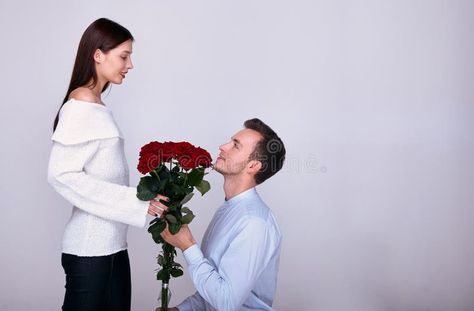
(374, 100)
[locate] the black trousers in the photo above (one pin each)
(100, 283)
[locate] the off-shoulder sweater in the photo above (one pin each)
(87, 166)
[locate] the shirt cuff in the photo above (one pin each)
(184, 306)
(193, 255)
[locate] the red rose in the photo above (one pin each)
(149, 159)
(186, 161)
(152, 147)
(153, 154)
(148, 162)
(188, 156)
(202, 158)
(183, 148)
(194, 158)
(184, 151)
(167, 151)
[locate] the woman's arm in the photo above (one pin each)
(104, 199)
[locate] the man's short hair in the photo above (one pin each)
(270, 150)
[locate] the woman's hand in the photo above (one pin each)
(156, 208)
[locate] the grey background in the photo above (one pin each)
(374, 100)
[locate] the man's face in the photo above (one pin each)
(234, 155)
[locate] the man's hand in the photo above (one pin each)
(182, 240)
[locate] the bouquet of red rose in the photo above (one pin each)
(173, 170)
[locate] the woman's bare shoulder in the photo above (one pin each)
(84, 94)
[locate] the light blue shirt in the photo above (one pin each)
(238, 265)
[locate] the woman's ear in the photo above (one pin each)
(98, 56)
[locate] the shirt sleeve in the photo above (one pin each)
(227, 286)
(192, 303)
(104, 199)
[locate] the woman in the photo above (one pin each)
(88, 168)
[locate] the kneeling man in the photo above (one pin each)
(236, 267)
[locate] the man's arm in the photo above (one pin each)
(192, 303)
(227, 286)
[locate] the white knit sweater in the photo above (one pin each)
(88, 168)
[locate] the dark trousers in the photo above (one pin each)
(99, 283)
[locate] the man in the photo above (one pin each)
(237, 265)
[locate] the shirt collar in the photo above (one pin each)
(243, 195)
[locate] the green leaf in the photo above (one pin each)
(162, 185)
(174, 228)
(156, 236)
(163, 172)
(171, 218)
(186, 219)
(162, 275)
(189, 189)
(186, 198)
(175, 169)
(156, 219)
(169, 248)
(203, 187)
(173, 190)
(156, 229)
(172, 205)
(148, 188)
(154, 173)
(186, 210)
(175, 272)
(158, 226)
(175, 264)
(195, 177)
(160, 260)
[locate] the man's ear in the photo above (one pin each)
(254, 166)
(98, 56)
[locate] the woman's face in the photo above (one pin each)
(114, 65)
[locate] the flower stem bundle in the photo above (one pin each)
(173, 170)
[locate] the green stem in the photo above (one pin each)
(168, 259)
(164, 296)
(156, 174)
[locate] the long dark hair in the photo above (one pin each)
(102, 34)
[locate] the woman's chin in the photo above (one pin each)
(117, 80)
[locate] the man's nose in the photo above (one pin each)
(224, 146)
